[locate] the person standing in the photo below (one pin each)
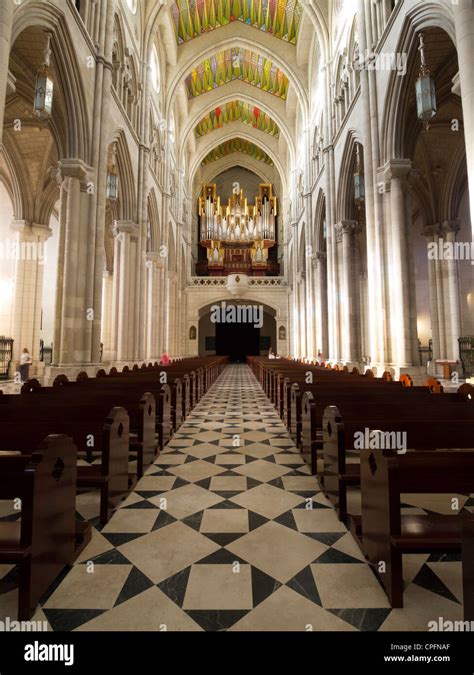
(165, 359)
(25, 363)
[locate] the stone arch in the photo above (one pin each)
(77, 127)
(154, 220)
(422, 16)
(127, 185)
(345, 206)
(246, 135)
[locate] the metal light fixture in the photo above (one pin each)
(43, 104)
(112, 177)
(359, 181)
(425, 90)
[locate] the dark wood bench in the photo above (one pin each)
(386, 533)
(353, 401)
(426, 430)
(468, 568)
(104, 395)
(47, 537)
(26, 421)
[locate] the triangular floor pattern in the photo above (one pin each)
(229, 531)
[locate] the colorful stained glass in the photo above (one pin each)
(237, 145)
(280, 18)
(237, 111)
(237, 64)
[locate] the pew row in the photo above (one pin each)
(47, 538)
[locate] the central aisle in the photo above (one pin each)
(228, 530)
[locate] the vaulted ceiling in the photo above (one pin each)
(239, 78)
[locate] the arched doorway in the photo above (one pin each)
(237, 329)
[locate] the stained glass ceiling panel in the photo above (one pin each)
(237, 64)
(280, 18)
(237, 145)
(236, 111)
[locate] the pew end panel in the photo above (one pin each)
(386, 533)
(116, 446)
(309, 439)
(43, 543)
(337, 473)
(468, 568)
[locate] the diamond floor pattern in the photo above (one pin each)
(228, 531)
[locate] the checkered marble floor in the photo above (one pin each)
(229, 531)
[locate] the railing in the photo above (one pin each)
(466, 355)
(426, 353)
(46, 353)
(262, 282)
(268, 281)
(6, 354)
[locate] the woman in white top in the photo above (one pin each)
(25, 362)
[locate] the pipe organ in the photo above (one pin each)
(238, 237)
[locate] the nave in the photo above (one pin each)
(245, 540)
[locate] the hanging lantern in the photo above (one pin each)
(112, 178)
(425, 90)
(43, 104)
(359, 181)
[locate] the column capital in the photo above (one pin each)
(431, 230)
(126, 227)
(71, 168)
(154, 259)
(397, 168)
(346, 227)
(31, 230)
(450, 226)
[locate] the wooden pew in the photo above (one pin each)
(43, 542)
(110, 436)
(386, 533)
(468, 568)
(141, 408)
(426, 430)
(352, 398)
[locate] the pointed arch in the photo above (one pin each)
(422, 16)
(69, 70)
(127, 178)
(344, 206)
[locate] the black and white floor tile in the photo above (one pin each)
(229, 531)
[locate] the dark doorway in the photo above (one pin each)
(237, 340)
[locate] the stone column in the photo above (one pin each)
(301, 314)
(30, 257)
(401, 324)
(330, 176)
(153, 324)
(125, 297)
(345, 232)
(171, 315)
(464, 24)
(107, 317)
(452, 318)
(6, 23)
(321, 313)
(374, 220)
(439, 296)
(431, 235)
(74, 313)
